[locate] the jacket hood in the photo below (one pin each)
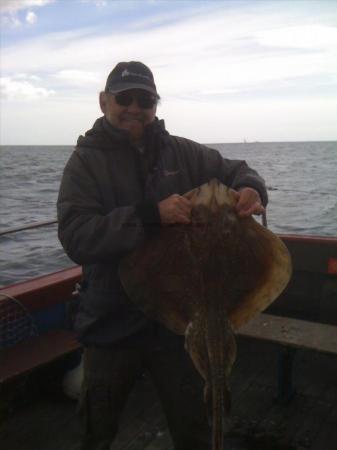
(104, 135)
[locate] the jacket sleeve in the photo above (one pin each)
(87, 233)
(233, 173)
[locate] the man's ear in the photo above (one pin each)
(102, 101)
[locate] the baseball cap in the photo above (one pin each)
(130, 75)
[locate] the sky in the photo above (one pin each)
(227, 71)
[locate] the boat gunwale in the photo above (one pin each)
(52, 288)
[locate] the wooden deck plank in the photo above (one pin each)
(326, 438)
(293, 332)
(142, 430)
(304, 432)
(50, 425)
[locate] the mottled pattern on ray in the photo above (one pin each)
(204, 279)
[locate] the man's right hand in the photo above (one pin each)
(175, 209)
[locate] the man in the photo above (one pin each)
(125, 180)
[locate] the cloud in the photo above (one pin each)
(261, 119)
(309, 37)
(231, 56)
(78, 77)
(31, 17)
(21, 89)
(25, 76)
(12, 6)
(98, 3)
(9, 21)
(210, 68)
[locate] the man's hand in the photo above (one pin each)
(175, 209)
(248, 202)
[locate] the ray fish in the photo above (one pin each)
(205, 280)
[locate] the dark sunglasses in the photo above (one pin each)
(144, 100)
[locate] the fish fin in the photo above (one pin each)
(195, 345)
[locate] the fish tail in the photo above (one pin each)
(221, 349)
(217, 419)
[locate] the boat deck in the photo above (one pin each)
(308, 422)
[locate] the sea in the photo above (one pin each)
(301, 178)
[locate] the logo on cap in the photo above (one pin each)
(126, 73)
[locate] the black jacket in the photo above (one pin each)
(108, 202)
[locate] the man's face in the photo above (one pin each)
(132, 118)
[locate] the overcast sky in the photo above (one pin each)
(227, 71)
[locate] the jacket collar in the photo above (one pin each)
(104, 135)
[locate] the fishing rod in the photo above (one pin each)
(271, 188)
(28, 227)
(34, 225)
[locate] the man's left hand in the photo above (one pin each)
(248, 202)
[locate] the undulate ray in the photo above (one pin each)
(206, 279)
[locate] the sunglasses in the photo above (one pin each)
(144, 100)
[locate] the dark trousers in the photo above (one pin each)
(110, 374)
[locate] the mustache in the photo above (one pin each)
(131, 116)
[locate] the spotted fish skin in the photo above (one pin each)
(210, 342)
(221, 349)
(209, 339)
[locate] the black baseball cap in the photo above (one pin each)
(130, 75)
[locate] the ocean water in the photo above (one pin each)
(301, 178)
